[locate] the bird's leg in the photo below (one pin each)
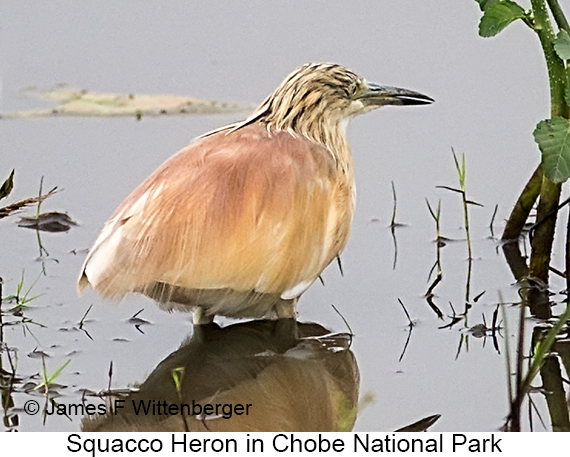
(286, 309)
(200, 316)
(287, 332)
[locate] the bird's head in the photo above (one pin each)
(325, 95)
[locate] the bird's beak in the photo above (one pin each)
(375, 95)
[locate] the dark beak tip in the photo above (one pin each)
(424, 100)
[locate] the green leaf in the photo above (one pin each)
(562, 45)
(7, 186)
(553, 138)
(484, 4)
(49, 380)
(498, 15)
(177, 375)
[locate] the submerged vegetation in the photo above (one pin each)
(14, 313)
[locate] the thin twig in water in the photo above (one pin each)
(82, 321)
(537, 412)
(395, 242)
(454, 318)
(410, 322)
(339, 263)
(493, 221)
(38, 213)
(495, 329)
(435, 282)
(411, 325)
(476, 299)
(345, 323)
(393, 221)
(38, 209)
(557, 272)
(461, 173)
(429, 295)
(110, 375)
(436, 215)
(393, 225)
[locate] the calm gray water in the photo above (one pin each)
(489, 96)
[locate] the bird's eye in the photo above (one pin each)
(353, 89)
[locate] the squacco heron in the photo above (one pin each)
(243, 220)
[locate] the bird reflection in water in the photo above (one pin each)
(294, 377)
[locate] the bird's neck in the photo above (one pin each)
(332, 135)
(325, 129)
(327, 132)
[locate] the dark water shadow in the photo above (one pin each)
(259, 375)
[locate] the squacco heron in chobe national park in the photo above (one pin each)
(244, 219)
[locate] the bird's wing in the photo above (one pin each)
(245, 210)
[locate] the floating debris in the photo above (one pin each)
(78, 102)
(479, 330)
(53, 221)
(16, 206)
(38, 354)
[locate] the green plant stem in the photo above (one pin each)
(562, 23)
(558, 107)
(555, 66)
(567, 260)
(38, 212)
(558, 15)
(550, 192)
(523, 206)
(544, 235)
